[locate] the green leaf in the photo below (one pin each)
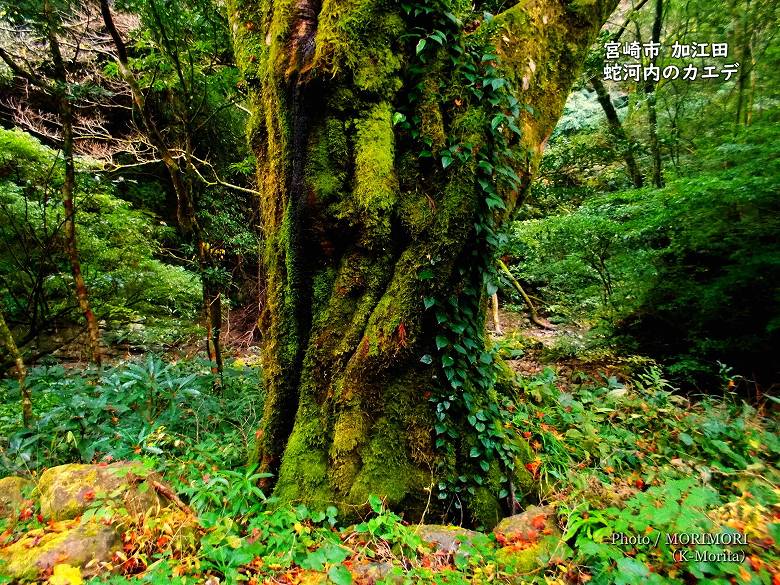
(376, 503)
(398, 117)
(429, 302)
(453, 19)
(340, 575)
(421, 46)
(427, 359)
(425, 274)
(441, 342)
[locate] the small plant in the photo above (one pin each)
(225, 492)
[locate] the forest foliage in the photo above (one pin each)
(648, 245)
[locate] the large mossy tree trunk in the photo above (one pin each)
(351, 216)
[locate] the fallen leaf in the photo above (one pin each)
(65, 574)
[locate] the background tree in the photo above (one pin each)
(46, 21)
(189, 42)
(683, 261)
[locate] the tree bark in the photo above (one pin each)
(744, 105)
(494, 314)
(352, 216)
(7, 339)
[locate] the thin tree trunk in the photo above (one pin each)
(533, 315)
(7, 339)
(358, 231)
(652, 115)
(744, 104)
(616, 127)
(181, 179)
(68, 187)
(494, 313)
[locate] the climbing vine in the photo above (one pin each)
(466, 401)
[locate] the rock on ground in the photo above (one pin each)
(530, 540)
(66, 491)
(82, 545)
(12, 495)
(443, 538)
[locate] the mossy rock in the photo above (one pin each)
(80, 545)
(534, 521)
(520, 559)
(12, 495)
(531, 539)
(67, 491)
(445, 538)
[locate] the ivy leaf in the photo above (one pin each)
(376, 503)
(474, 452)
(441, 342)
(429, 302)
(438, 36)
(453, 19)
(340, 575)
(398, 117)
(446, 161)
(421, 46)
(427, 359)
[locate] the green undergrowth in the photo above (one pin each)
(615, 457)
(171, 411)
